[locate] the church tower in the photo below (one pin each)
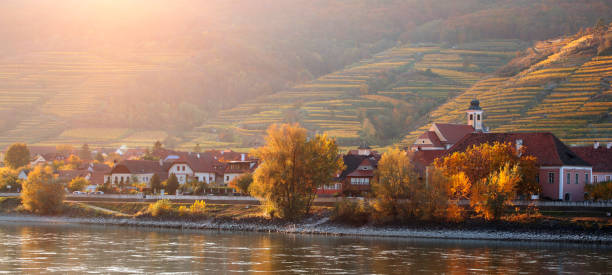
(474, 116)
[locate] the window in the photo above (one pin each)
(586, 178)
(227, 178)
(607, 178)
(551, 178)
(477, 117)
(594, 179)
(537, 178)
(569, 178)
(576, 178)
(471, 117)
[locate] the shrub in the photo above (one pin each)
(351, 211)
(491, 196)
(42, 193)
(77, 184)
(183, 211)
(600, 191)
(198, 207)
(160, 208)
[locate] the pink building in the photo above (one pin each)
(563, 174)
(600, 157)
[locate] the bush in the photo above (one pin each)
(600, 191)
(198, 207)
(351, 211)
(42, 193)
(77, 184)
(160, 208)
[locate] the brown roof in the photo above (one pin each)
(453, 132)
(600, 158)
(547, 148)
(140, 167)
(71, 174)
(433, 137)
(424, 158)
(361, 173)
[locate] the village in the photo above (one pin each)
(564, 171)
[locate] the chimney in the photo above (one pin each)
(242, 157)
(198, 155)
(596, 144)
(609, 145)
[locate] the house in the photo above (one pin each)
(563, 174)
(69, 175)
(212, 167)
(23, 174)
(38, 160)
(442, 136)
(600, 158)
(357, 177)
(137, 170)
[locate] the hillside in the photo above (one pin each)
(560, 85)
(132, 72)
(375, 100)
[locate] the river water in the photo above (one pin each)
(62, 248)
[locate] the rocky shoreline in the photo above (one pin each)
(322, 226)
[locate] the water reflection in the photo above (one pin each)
(37, 248)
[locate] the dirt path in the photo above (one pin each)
(107, 211)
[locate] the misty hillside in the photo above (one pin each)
(134, 72)
(560, 85)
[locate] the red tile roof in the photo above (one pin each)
(549, 150)
(424, 158)
(600, 158)
(433, 137)
(361, 173)
(453, 132)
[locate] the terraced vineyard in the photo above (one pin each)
(413, 78)
(45, 91)
(567, 93)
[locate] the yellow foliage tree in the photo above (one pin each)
(292, 168)
(42, 192)
(393, 187)
(77, 184)
(492, 195)
(478, 162)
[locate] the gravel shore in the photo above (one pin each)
(323, 227)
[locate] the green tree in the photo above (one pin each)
(85, 153)
(292, 168)
(42, 192)
(155, 183)
(172, 184)
(242, 183)
(9, 179)
(17, 155)
(77, 184)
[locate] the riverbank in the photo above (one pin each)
(250, 218)
(324, 227)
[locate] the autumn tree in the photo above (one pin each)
(242, 183)
(478, 162)
(490, 196)
(9, 179)
(172, 184)
(155, 183)
(17, 155)
(292, 169)
(42, 192)
(77, 184)
(394, 186)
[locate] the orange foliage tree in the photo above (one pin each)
(478, 162)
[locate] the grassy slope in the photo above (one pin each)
(559, 85)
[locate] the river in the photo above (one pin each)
(36, 248)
